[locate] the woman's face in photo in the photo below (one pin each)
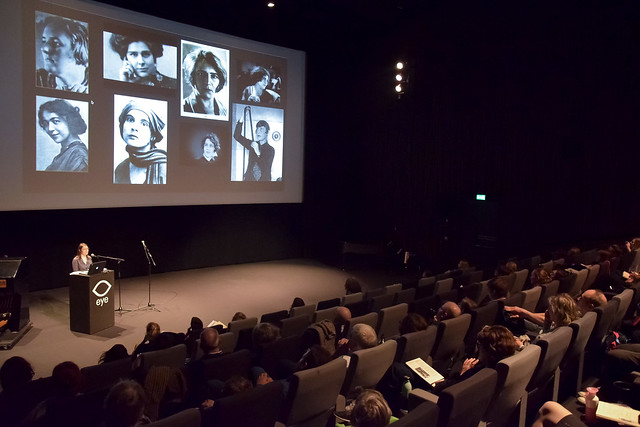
(261, 133)
(141, 59)
(57, 50)
(135, 130)
(210, 149)
(206, 80)
(264, 82)
(55, 126)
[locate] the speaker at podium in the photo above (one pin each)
(91, 306)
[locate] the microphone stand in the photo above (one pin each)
(118, 261)
(150, 261)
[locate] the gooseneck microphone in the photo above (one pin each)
(144, 245)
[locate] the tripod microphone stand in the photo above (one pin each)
(150, 261)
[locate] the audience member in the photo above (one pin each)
(116, 352)
(14, 374)
(412, 322)
(448, 310)
(499, 288)
(264, 333)
(370, 410)
(297, 302)
(466, 305)
(193, 334)
(124, 405)
(359, 337)
(352, 286)
(210, 343)
(590, 299)
(539, 276)
(147, 343)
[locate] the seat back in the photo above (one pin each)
(228, 342)
(547, 266)
(370, 319)
(605, 315)
(624, 301)
(425, 281)
(358, 308)
(593, 270)
(225, 366)
(472, 291)
(274, 317)
(480, 317)
(187, 418)
(305, 310)
(325, 314)
(293, 326)
(514, 373)
(567, 284)
(424, 415)
(581, 277)
(351, 298)
(174, 357)
(103, 376)
(393, 289)
(463, 404)
(381, 301)
(531, 298)
(443, 286)
(574, 356)
(367, 366)
(269, 356)
(426, 307)
(389, 320)
(256, 408)
(520, 280)
(515, 299)
(416, 344)
(313, 393)
(548, 290)
(553, 347)
(328, 303)
(405, 295)
(450, 339)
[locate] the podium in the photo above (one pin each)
(91, 302)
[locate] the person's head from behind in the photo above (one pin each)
(370, 410)
(412, 322)
(343, 315)
(467, 304)
(61, 120)
(540, 276)
(464, 264)
(238, 316)
(14, 373)
(67, 379)
(265, 333)
(352, 286)
(124, 405)
(211, 146)
(494, 344)
(561, 311)
(590, 299)
(448, 310)
(362, 336)
(297, 302)
(260, 77)
(65, 45)
(117, 352)
(205, 73)
(141, 54)
(499, 287)
(196, 324)
(209, 340)
(236, 384)
(152, 330)
(511, 266)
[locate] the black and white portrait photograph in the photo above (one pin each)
(261, 80)
(256, 153)
(140, 145)
(62, 135)
(140, 59)
(62, 53)
(205, 81)
(205, 144)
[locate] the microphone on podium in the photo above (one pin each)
(94, 256)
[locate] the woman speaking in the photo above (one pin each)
(82, 260)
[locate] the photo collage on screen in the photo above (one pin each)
(131, 105)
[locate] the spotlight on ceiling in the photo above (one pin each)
(399, 65)
(401, 78)
(271, 4)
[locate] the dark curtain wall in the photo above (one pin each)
(534, 104)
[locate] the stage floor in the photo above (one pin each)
(214, 293)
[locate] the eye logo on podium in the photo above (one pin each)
(106, 291)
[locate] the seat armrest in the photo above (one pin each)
(418, 396)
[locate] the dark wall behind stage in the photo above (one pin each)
(533, 104)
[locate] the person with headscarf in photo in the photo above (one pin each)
(65, 51)
(139, 61)
(140, 129)
(206, 75)
(63, 123)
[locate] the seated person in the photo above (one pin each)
(412, 322)
(554, 414)
(370, 410)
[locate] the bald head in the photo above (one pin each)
(362, 336)
(343, 315)
(590, 299)
(448, 310)
(209, 340)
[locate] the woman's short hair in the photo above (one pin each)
(257, 73)
(155, 122)
(80, 246)
(124, 405)
(213, 138)
(70, 114)
(116, 352)
(498, 341)
(200, 55)
(370, 410)
(412, 322)
(78, 34)
(564, 309)
(120, 45)
(540, 276)
(153, 329)
(351, 285)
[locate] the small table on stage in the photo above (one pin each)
(91, 302)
